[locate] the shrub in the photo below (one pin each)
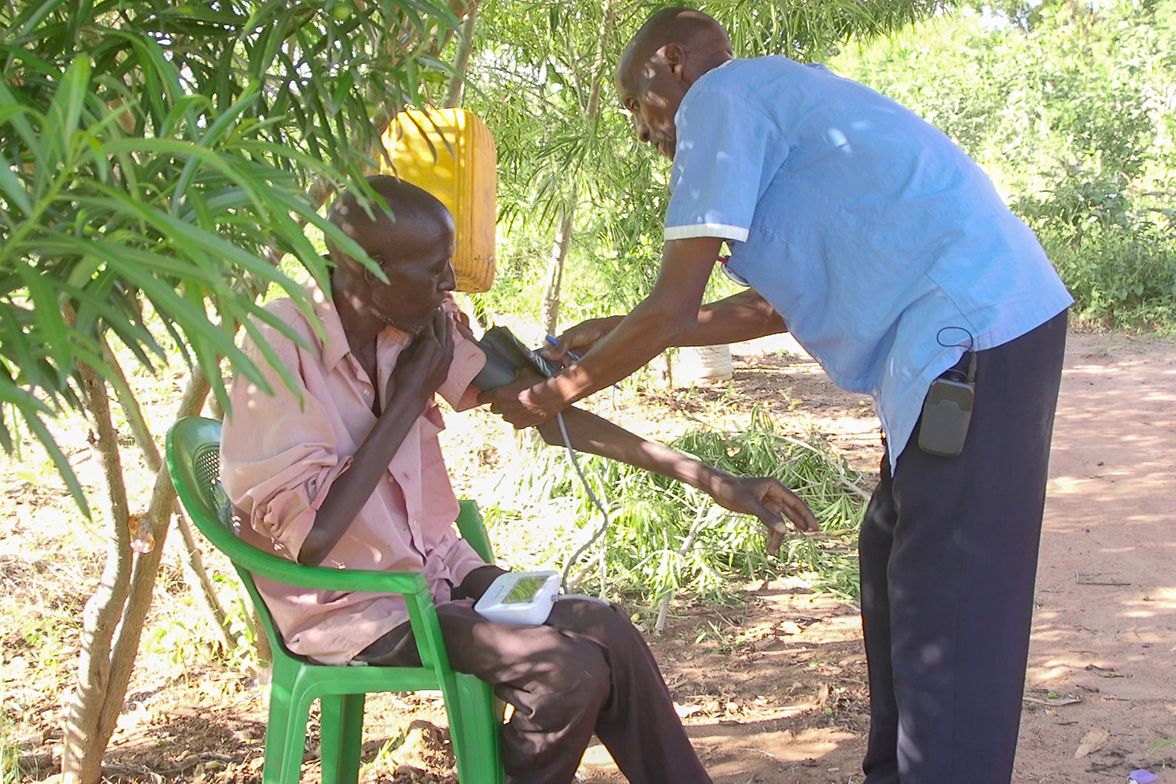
(664, 537)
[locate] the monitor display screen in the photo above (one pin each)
(524, 590)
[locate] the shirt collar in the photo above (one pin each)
(335, 345)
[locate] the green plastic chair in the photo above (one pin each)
(193, 460)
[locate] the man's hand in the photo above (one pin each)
(517, 402)
(581, 338)
(425, 364)
(767, 499)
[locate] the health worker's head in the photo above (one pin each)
(671, 51)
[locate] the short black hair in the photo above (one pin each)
(676, 24)
(352, 216)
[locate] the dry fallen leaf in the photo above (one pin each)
(1053, 702)
(823, 694)
(1091, 742)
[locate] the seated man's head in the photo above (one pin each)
(412, 241)
(672, 49)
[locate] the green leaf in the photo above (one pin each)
(66, 109)
(10, 185)
(50, 326)
(31, 410)
(32, 16)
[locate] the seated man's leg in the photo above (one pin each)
(587, 670)
(637, 723)
(555, 683)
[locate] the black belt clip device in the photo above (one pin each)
(947, 409)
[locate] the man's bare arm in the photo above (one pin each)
(742, 316)
(764, 497)
(417, 375)
(670, 310)
(597, 436)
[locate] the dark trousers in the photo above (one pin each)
(587, 670)
(948, 561)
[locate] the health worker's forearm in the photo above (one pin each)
(594, 435)
(743, 316)
(640, 337)
(670, 310)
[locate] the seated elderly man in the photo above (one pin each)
(350, 474)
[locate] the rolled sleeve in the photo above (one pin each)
(459, 557)
(468, 361)
(279, 453)
(289, 489)
(726, 154)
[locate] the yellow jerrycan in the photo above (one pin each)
(450, 153)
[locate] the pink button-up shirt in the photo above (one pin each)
(279, 457)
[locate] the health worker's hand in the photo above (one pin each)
(517, 402)
(580, 338)
(767, 499)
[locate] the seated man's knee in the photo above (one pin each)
(605, 624)
(571, 684)
(584, 670)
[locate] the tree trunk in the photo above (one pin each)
(105, 668)
(126, 644)
(563, 239)
(191, 560)
(82, 758)
(462, 60)
(555, 267)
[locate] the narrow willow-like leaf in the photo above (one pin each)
(66, 109)
(31, 411)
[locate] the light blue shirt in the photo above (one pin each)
(868, 230)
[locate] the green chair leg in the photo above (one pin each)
(277, 727)
(296, 731)
(341, 737)
(476, 742)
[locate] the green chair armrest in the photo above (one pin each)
(325, 578)
(469, 523)
(422, 613)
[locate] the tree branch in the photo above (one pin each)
(105, 606)
(190, 557)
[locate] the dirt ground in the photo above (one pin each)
(1100, 697)
(774, 690)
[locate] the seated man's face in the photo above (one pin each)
(415, 252)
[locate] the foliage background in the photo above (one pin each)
(1071, 108)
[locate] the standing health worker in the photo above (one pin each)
(891, 258)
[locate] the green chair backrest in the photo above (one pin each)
(193, 457)
(193, 460)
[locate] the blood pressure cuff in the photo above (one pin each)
(505, 357)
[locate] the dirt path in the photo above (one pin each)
(775, 692)
(1105, 624)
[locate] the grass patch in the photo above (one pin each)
(666, 538)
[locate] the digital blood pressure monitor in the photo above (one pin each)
(519, 597)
